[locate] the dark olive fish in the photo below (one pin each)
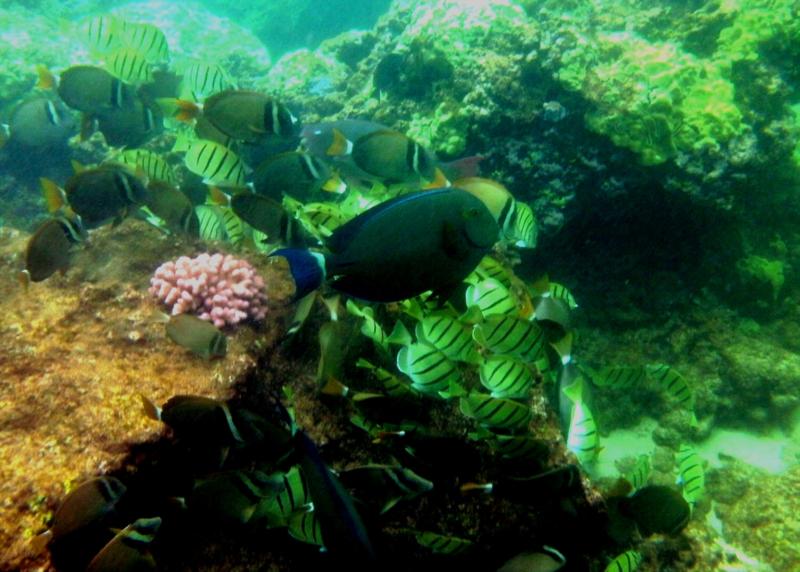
(657, 509)
(173, 207)
(197, 418)
(268, 216)
(401, 248)
(104, 193)
(40, 122)
(92, 501)
(129, 550)
(48, 250)
(231, 497)
(393, 157)
(93, 90)
(198, 336)
(384, 484)
(248, 116)
(296, 174)
(130, 125)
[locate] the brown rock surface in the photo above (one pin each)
(75, 352)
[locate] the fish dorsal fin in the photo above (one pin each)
(340, 145)
(46, 80)
(151, 410)
(439, 180)
(54, 196)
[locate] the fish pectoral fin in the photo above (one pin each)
(453, 243)
(257, 129)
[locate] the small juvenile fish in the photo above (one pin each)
(499, 413)
(200, 337)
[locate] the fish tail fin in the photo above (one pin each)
(335, 185)
(563, 348)
(151, 410)
(46, 80)
(54, 195)
(180, 109)
(307, 268)
(77, 166)
(341, 145)
(24, 279)
(217, 196)
(439, 180)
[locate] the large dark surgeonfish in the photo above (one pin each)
(429, 240)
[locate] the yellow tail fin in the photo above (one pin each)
(180, 109)
(54, 196)
(46, 81)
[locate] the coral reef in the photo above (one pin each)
(218, 288)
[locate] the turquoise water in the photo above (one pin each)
(573, 253)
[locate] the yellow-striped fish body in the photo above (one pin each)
(505, 376)
(217, 164)
(101, 34)
(429, 369)
(441, 544)
(202, 79)
(491, 297)
(276, 510)
(248, 116)
(494, 412)
(146, 39)
(211, 223)
(448, 335)
(691, 474)
(150, 163)
(628, 561)
(304, 526)
(522, 229)
(583, 438)
(232, 497)
(129, 66)
(509, 335)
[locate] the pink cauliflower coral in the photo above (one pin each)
(216, 287)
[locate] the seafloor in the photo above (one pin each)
(659, 145)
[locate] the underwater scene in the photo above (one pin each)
(400, 285)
